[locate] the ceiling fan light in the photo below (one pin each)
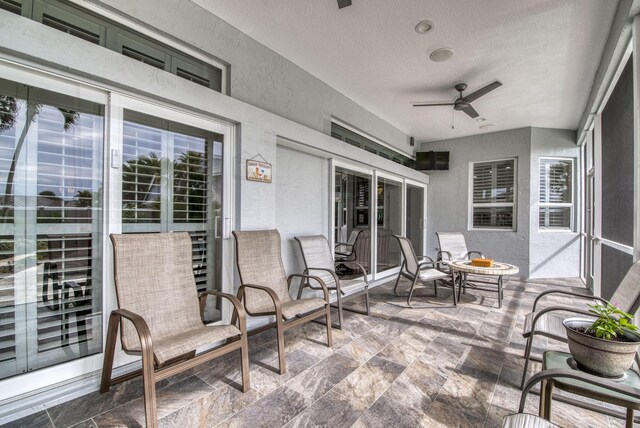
(442, 54)
(424, 26)
(487, 125)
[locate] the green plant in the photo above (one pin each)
(611, 322)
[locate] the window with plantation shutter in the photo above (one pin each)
(493, 195)
(556, 194)
(172, 181)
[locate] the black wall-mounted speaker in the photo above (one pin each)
(412, 142)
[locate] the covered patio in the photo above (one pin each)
(266, 166)
(432, 365)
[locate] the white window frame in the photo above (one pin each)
(571, 204)
(514, 204)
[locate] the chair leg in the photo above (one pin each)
(413, 284)
(453, 290)
(149, 382)
(109, 350)
(280, 333)
(244, 352)
(329, 333)
(435, 287)
(340, 316)
(527, 356)
(366, 300)
(395, 288)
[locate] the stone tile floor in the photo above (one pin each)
(431, 365)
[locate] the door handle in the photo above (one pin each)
(216, 229)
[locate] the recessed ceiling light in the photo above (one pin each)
(480, 119)
(424, 26)
(487, 125)
(441, 55)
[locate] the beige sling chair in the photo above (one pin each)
(160, 314)
(319, 262)
(425, 271)
(265, 287)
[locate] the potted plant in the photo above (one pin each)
(606, 346)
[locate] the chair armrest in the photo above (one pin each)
(612, 386)
(449, 256)
(568, 293)
(331, 271)
(557, 309)
(475, 252)
(144, 334)
(234, 301)
(427, 263)
(272, 294)
(316, 278)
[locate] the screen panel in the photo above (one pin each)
(617, 161)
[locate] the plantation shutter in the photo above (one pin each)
(555, 193)
(141, 173)
(493, 182)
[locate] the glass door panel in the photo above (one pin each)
(389, 223)
(352, 228)
(415, 218)
(172, 181)
(51, 186)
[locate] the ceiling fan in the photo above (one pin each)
(463, 103)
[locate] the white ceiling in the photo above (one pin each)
(545, 52)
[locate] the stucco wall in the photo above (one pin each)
(448, 204)
(538, 254)
(302, 202)
(552, 253)
(260, 76)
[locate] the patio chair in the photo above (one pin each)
(160, 314)
(264, 289)
(454, 247)
(546, 322)
(424, 271)
(318, 261)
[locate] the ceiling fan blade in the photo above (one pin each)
(471, 112)
(343, 3)
(482, 91)
(431, 104)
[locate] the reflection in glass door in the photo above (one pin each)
(51, 189)
(352, 222)
(172, 181)
(415, 217)
(389, 223)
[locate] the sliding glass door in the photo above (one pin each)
(389, 222)
(51, 187)
(172, 180)
(366, 218)
(415, 223)
(352, 222)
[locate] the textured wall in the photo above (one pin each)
(302, 201)
(448, 195)
(259, 76)
(552, 253)
(538, 254)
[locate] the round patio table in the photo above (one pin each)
(499, 269)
